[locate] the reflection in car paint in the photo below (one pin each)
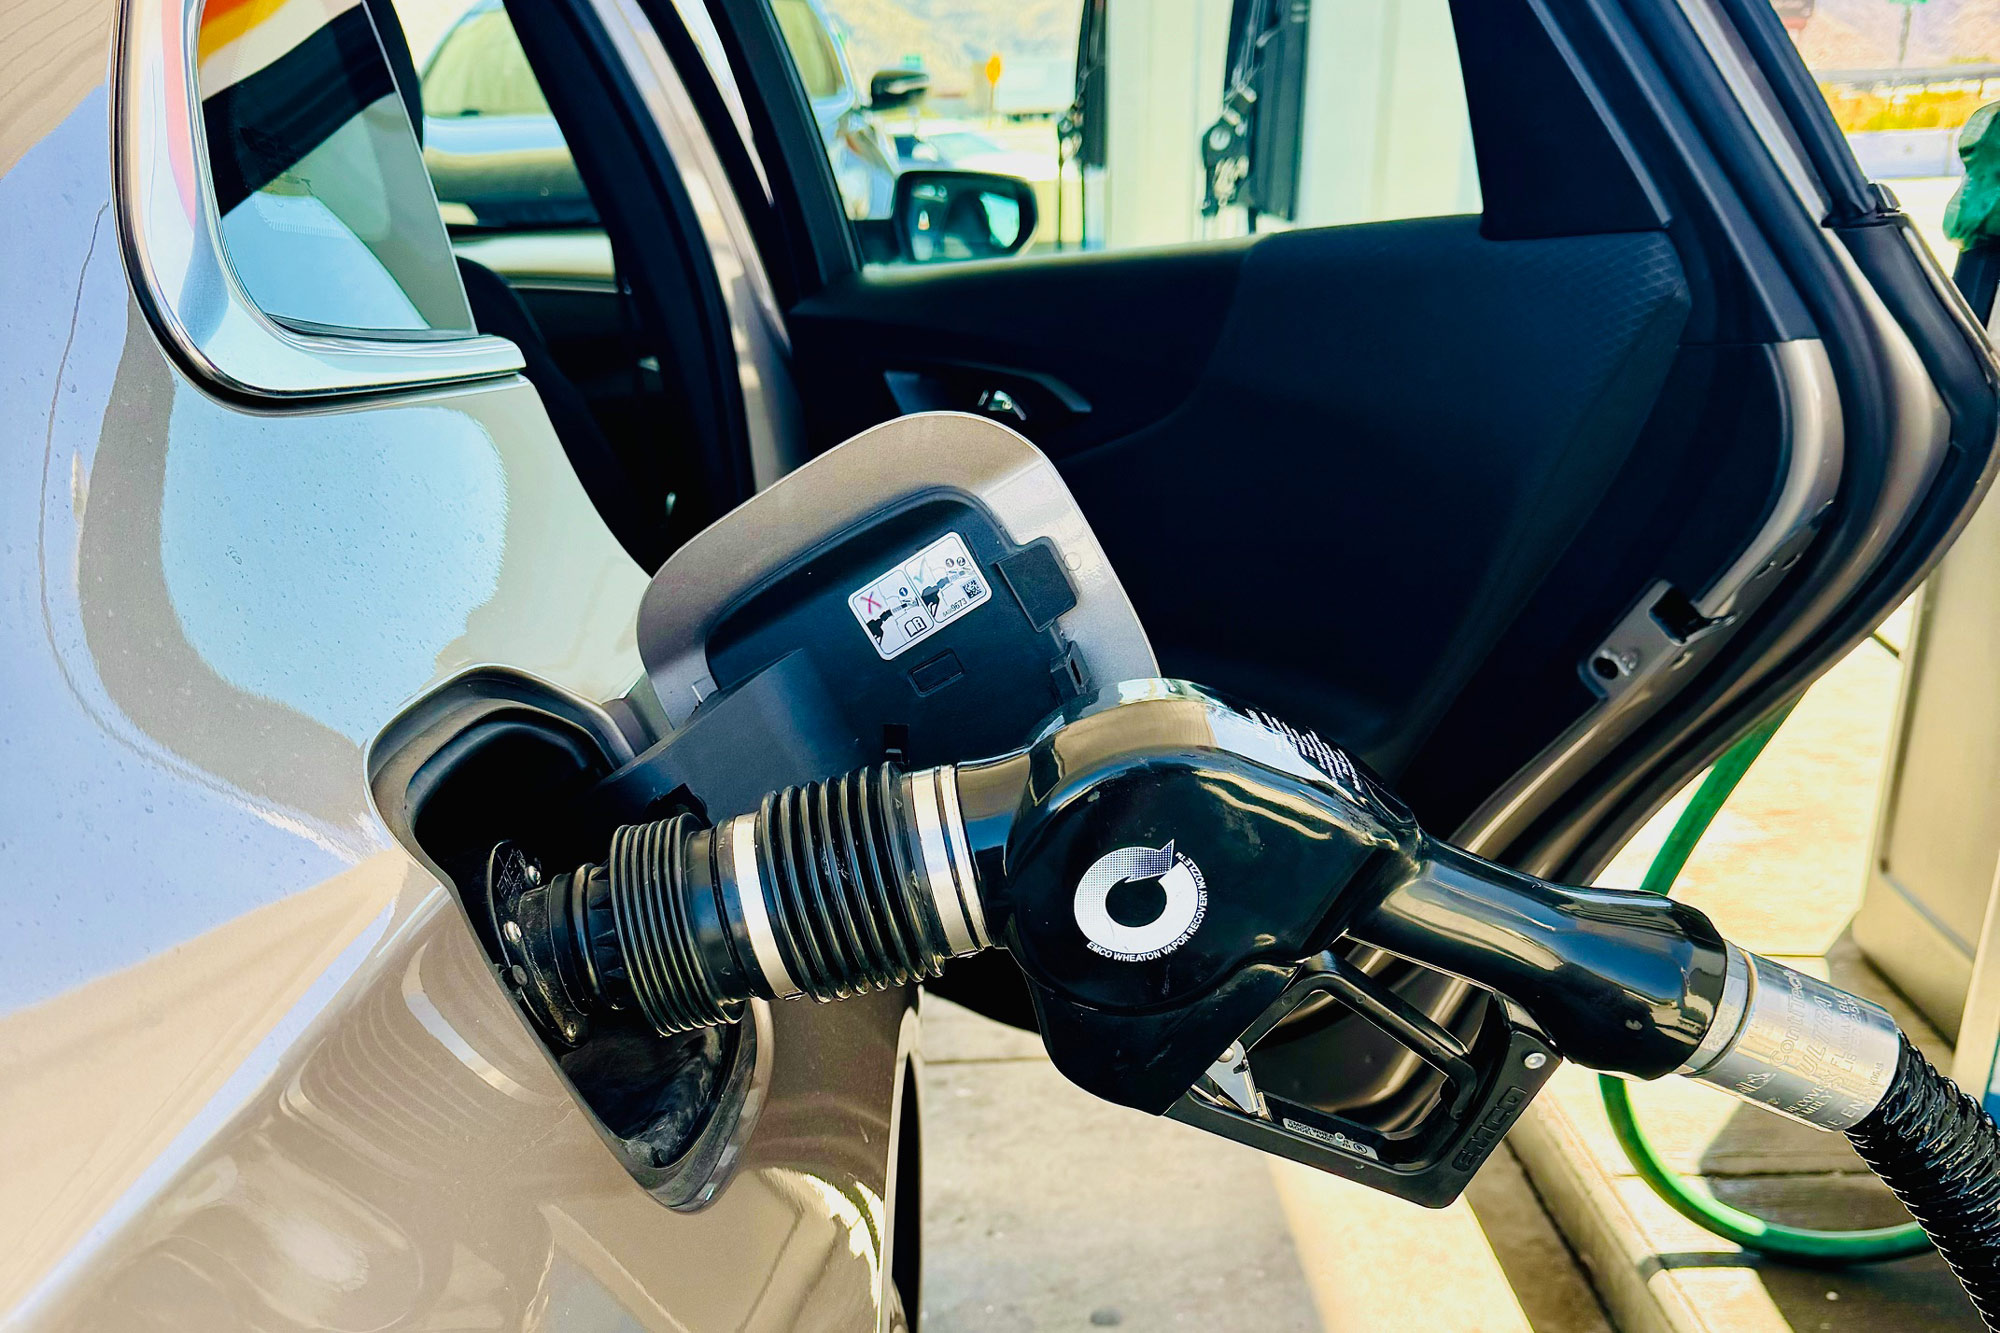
(420, 1159)
(290, 556)
(256, 1072)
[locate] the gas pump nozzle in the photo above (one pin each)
(1175, 875)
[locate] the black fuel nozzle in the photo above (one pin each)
(1165, 868)
(1174, 874)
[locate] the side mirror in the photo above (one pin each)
(940, 216)
(893, 88)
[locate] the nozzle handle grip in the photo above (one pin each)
(1622, 982)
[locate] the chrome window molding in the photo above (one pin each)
(170, 233)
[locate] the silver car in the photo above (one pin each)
(325, 520)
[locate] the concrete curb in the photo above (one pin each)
(1639, 1294)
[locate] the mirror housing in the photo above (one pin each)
(944, 215)
(893, 89)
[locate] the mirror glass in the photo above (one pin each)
(945, 216)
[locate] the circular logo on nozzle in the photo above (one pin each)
(1166, 916)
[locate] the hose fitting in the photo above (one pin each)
(1796, 1045)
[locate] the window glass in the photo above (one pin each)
(495, 153)
(481, 70)
(327, 215)
(811, 47)
(1160, 123)
(863, 159)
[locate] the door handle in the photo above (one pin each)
(1027, 400)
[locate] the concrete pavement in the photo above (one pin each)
(1046, 1208)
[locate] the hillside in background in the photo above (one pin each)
(1861, 34)
(953, 38)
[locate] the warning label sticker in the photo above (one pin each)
(919, 597)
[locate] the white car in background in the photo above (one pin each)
(1007, 149)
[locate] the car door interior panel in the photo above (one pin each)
(1443, 410)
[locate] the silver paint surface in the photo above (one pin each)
(253, 1070)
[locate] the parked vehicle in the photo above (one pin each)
(950, 143)
(492, 146)
(1627, 454)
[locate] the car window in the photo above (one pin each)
(327, 215)
(496, 156)
(1134, 130)
(480, 70)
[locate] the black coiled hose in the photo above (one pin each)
(1939, 1150)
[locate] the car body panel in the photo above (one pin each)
(255, 1071)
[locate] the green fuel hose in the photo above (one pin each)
(1802, 1244)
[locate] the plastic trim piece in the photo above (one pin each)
(932, 452)
(472, 690)
(171, 236)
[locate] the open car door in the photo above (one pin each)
(1552, 400)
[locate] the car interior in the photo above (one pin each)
(1395, 481)
(563, 303)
